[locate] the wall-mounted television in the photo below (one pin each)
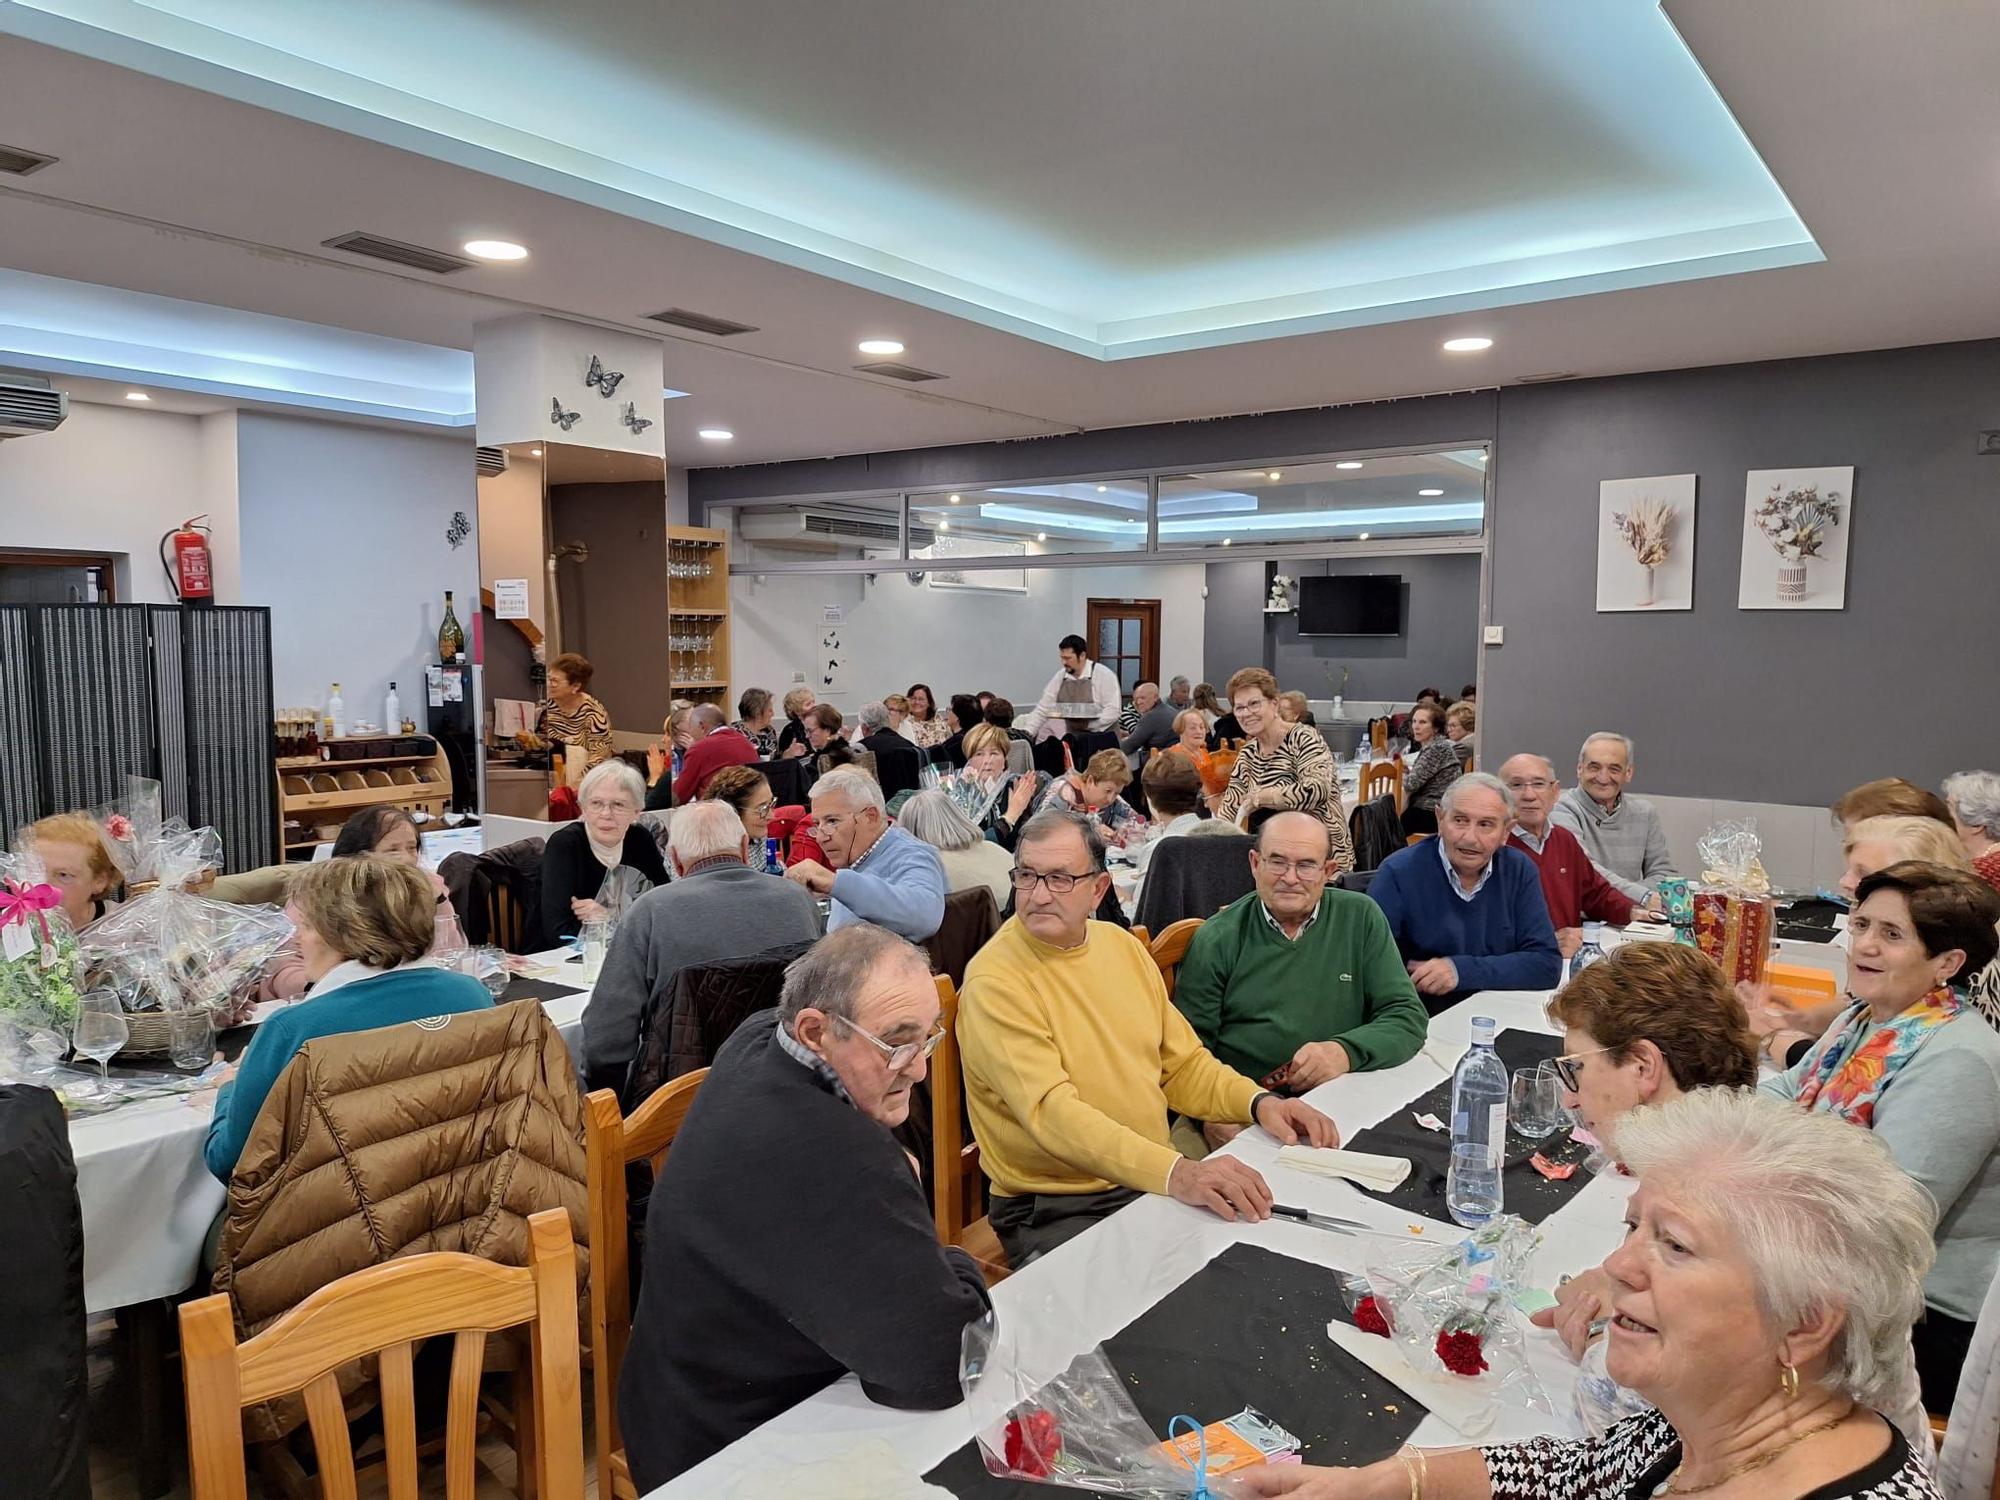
(1354, 604)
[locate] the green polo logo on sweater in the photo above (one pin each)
(1347, 979)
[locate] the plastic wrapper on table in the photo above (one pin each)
(622, 885)
(41, 970)
(1451, 1307)
(1734, 916)
(1078, 1430)
(1602, 1402)
(167, 950)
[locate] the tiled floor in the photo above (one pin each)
(112, 1476)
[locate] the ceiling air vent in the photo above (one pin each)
(895, 371)
(20, 162)
(416, 257)
(29, 405)
(490, 461)
(681, 317)
(1546, 377)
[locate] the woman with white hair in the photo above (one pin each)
(970, 859)
(1762, 1302)
(1974, 800)
(606, 837)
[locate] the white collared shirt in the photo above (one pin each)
(1451, 876)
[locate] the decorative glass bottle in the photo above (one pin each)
(451, 639)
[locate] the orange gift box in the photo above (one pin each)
(1736, 932)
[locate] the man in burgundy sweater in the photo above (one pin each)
(1575, 889)
(715, 745)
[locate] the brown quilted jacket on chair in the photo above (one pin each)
(443, 1134)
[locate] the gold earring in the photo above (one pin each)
(1788, 1380)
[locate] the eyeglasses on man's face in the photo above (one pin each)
(897, 1056)
(1530, 784)
(1305, 869)
(1059, 882)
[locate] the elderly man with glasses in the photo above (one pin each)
(879, 873)
(788, 1241)
(1575, 889)
(1074, 1057)
(1298, 983)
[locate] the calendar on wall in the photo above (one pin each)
(988, 580)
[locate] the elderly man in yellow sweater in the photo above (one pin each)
(1074, 1056)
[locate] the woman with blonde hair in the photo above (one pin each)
(74, 861)
(1461, 724)
(1286, 767)
(364, 927)
(792, 739)
(1093, 791)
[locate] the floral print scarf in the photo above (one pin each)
(1847, 1076)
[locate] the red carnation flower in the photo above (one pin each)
(1369, 1317)
(1462, 1352)
(119, 827)
(1032, 1444)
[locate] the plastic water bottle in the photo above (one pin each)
(1478, 1130)
(773, 865)
(1591, 951)
(392, 712)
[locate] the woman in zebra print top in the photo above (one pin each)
(1283, 766)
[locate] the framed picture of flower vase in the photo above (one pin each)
(1795, 526)
(1645, 543)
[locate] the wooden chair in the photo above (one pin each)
(954, 1157)
(1378, 736)
(506, 920)
(1171, 946)
(1379, 776)
(611, 1144)
(386, 1310)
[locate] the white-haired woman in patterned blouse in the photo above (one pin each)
(1762, 1301)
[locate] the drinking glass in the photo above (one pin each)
(450, 939)
(488, 965)
(100, 1030)
(1534, 1104)
(191, 1039)
(596, 939)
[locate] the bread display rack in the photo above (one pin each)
(317, 795)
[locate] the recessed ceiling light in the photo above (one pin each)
(954, 499)
(1041, 536)
(1227, 540)
(1274, 475)
(715, 434)
(1364, 536)
(880, 346)
(1466, 345)
(1348, 463)
(137, 396)
(1102, 488)
(1430, 492)
(534, 453)
(495, 250)
(944, 526)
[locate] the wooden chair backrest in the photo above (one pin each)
(1379, 776)
(954, 1155)
(1171, 946)
(1378, 735)
(506, 922)
(386, 1310)
(611, 1143)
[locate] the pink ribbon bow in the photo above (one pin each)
(19, 901)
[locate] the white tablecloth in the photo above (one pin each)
(148, 1199)
(1105, 1278)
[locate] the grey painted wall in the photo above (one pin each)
(1439, 646)
(1757, 705)
(1738, 705)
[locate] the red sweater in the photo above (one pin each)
(723, 747)
(1575, 889)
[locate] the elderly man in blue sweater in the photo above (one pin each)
(1467, 911)
(880, 873)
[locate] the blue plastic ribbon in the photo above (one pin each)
(1201, 1489)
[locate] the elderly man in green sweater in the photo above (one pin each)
(1297, 984)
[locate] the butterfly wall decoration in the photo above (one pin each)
(633, 420)
(563, 419)
(605, 380)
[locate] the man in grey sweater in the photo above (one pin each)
(716, 908)
(1152, 730)
(1621, 834)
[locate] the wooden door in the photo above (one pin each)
(1124, 634)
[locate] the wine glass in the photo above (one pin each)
(1534, 1103)
(100, 1030)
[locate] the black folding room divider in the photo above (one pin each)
(93, 693)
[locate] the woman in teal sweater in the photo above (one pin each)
(364, 925)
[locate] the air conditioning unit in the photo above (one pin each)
(490, 461)
(29, 406)
(825, 529)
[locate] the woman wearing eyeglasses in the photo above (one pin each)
(750, 794)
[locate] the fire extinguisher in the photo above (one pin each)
(189, 572)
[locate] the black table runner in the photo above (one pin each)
(1524, 1191)
(1248, 1329)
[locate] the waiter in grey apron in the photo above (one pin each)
(1082, 695)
